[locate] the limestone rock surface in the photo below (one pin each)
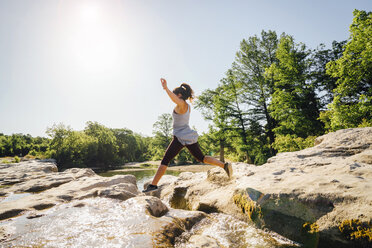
(324, 184)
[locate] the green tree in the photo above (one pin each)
(324, 83)
(255, 55)
(239, 105)
(163, 127)
(352, 102)
(210, 104)
(107, 147)
(71, 148)
(162, 130)
(294, 104)
(127, 145)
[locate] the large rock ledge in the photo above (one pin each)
(326, 184)
(42, 207)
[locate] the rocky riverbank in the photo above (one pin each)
(304, 196)
(40, 207)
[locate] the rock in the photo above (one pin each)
(202, 241)
(153, 205)
(82, 184)
(20, 172)
(324, 184)
(36, 176)
(140, 222)
(122, 191)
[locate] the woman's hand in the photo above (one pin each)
(163, 83)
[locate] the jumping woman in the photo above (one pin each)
(183, 135)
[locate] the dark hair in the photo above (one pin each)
(185, 90)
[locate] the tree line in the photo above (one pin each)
(279, 95)
(97, 146)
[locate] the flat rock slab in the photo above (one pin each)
(120, 187)
(102, 222)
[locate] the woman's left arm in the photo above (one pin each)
(172, 96)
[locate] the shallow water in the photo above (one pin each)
(13, 197)
(229, 231)
(142, 176)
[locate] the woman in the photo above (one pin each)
(183, 135)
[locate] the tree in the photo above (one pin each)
(352, 103)
(127, 144)
(210, 105)
(163, 127)
(239, 105)
(107, 147)
(294, 104)
(162, 130)
(253, 58)
(71, 148)
(322, 81)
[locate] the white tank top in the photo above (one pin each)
(181, 128)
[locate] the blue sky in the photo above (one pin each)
(89, 60)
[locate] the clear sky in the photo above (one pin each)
(74, 61)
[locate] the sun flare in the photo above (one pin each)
(94, 43)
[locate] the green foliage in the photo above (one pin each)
(95, 146)
(294, 104)
(17, 159)
(353, 95)
(291, 143)
(162, 130)
(106, 143)
(21, 145)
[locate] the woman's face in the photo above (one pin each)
(179, 95)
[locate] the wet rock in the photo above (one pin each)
(203, 241)
(153, 205)
(122, 191)
(140, 222)
(120, 187)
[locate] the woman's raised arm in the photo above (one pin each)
(172, 96)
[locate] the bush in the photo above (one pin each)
(291, 143)
(17, 159)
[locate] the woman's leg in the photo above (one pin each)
(213, 161)
(198, 154)
(173, 149)
(159, 173)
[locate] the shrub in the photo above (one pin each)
(356, 230)
(17, 159)
(291, 143)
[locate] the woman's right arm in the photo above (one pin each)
(172, 96)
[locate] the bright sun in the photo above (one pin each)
(94, 43)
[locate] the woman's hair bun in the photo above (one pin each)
(185, 90)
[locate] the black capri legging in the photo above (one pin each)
(175, 147)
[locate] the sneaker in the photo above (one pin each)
(150, 188)
(228, 169)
